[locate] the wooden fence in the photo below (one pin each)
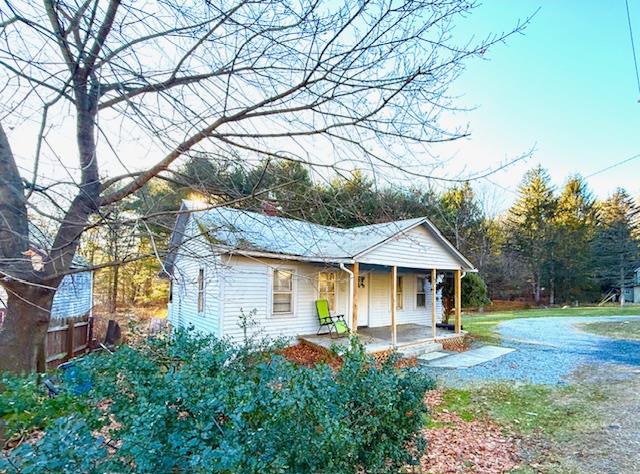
(67, 338)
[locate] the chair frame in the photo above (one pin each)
(330, 323)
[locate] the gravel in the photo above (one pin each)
(547, 351)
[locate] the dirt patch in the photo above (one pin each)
(459, 446)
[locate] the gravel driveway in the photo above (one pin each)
(547, 350)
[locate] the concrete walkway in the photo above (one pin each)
(459, 360)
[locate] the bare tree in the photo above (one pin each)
(333, 85)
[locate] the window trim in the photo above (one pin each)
(292, 292)
(423, 292)
(335, 288)
(201, 291)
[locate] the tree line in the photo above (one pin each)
(552, 246)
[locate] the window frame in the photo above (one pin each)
(200, 298)
(335, 289)
(421, 291)
(291, 292)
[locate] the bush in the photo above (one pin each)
(474, 291)
(197, 404)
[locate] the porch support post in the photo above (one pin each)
(354, 310)
(458, 301)
(394, 295)
(433, 302)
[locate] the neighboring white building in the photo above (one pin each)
(74, 296)
(226, 262)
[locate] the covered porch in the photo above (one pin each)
(398, 295)
(379, 339)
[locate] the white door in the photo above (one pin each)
(363, 300)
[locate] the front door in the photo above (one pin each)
(363, 300)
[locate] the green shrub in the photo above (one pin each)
(197, 404)
(26, 406)
(474, 291)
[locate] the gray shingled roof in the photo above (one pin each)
(252, 231)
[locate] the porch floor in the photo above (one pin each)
(378, 339)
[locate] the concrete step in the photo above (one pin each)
(431, 356)
(415, 350)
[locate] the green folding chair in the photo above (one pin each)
(335, 324)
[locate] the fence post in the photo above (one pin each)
(71, 326)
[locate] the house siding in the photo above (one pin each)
(417, 248)
(380, 301)
(248, 290)
(190, 258)
(74, 296)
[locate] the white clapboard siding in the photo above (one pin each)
(74, 296)
(193, 255)
(380, 301)
(417, 248)
(247, 290)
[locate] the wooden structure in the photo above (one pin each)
(67, 338)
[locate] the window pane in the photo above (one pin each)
(399, 296)
(327, 288)
(282, 302)
(420, 300)
(282, 280)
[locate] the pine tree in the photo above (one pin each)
(529, 226)
(574, 227)
(616, 248)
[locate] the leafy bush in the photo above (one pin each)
(197, 404)
(26, 406)
(474, 291)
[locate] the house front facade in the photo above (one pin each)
(236, 273)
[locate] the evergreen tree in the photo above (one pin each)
(462, 218)
(530, 233)
(616, 249)
(573, 229)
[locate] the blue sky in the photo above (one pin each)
(566, 87)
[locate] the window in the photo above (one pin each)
(421, 296)
(282, 291)
(327, 288)
(201, 290)
(399, 294)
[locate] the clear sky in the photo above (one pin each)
(566, 87)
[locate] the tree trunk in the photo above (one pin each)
(113, 293)
(24, 332)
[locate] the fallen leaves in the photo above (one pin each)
(458, 446)
(309, 356)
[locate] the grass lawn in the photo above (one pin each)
(617, 329)
(482, 325)
(524, 409)
(543, 418)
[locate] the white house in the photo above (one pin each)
(74, 296)
(225, 263)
